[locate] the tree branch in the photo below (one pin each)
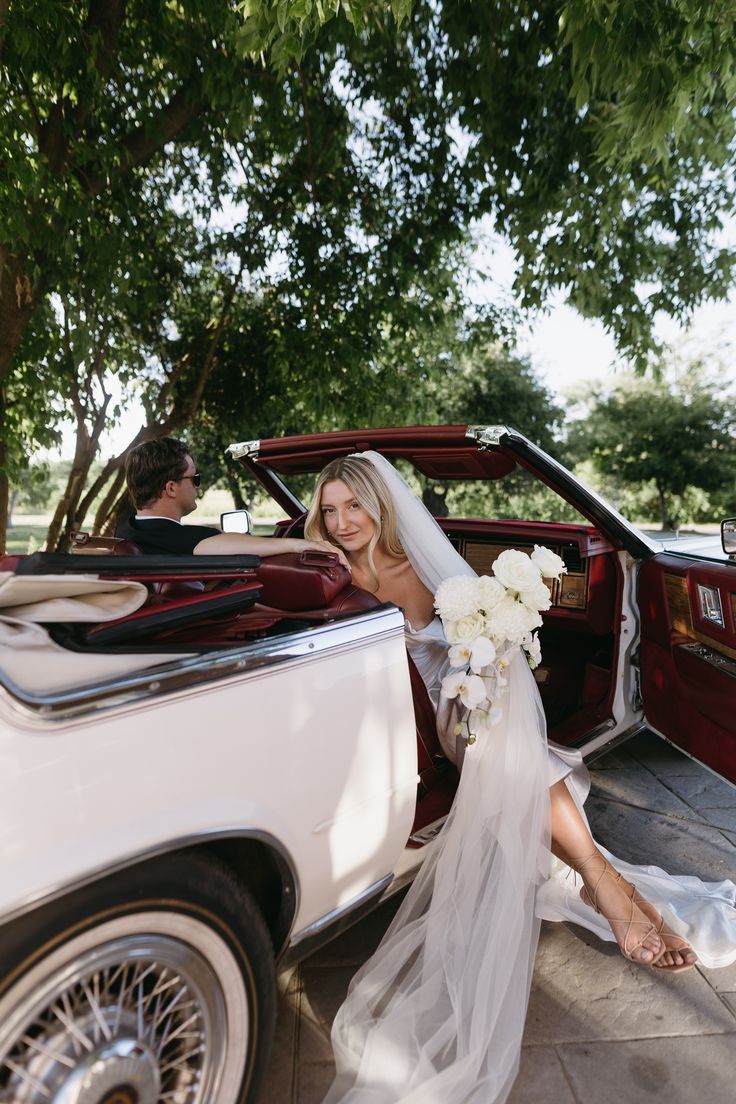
(4, 5)
(308, 130)
(140, 145)
(104, 18)
(31, 104)
(179, 416)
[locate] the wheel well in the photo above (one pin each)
(268, 878)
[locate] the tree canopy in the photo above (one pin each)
(662, 439)
(273, 200)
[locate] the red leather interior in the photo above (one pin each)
(438, 778)
(169, 614)
(302, 580)
(687, 698)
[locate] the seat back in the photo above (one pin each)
(85, 544)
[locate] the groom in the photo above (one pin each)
(163, 482)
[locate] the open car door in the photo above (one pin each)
(688, 654)
(587, 680)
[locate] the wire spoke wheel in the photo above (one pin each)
(147, 1008)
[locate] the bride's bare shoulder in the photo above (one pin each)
(400, 583)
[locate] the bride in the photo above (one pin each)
(437, 1014)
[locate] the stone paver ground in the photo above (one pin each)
(599, 1029)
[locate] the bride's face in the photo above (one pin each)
(344, 518)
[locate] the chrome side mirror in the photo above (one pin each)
(236, 521)
(728, 536)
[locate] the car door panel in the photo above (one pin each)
(688, 659)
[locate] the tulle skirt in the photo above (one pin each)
(436, 1016)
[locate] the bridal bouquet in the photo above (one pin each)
(486, 619)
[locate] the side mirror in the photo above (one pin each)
(728, 536)
(236, 521)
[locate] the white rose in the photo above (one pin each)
(465, 629)
(490, 592)
(515, 571)
(548, 562)
(536, 598)
(469, 688)
(511, 621)
(456, 597)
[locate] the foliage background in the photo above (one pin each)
(258, 217)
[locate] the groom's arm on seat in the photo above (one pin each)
(233, 544)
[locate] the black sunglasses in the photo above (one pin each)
(196, 479)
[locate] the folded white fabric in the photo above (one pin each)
(68, 597)
(30, 661)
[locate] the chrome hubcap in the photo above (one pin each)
(119, 1072)
(139, 1020)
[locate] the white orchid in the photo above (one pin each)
(468, 687)
(478, 654)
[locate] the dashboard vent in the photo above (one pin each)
(573, 559)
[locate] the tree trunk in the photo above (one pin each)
(110, 525)
(57, 535)
(107, 511)
(664, 514)
(233, 484)
(435, 499)
(18, 301)
(4, 484)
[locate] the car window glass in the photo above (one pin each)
(517, 496)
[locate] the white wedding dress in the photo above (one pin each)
(436, 1016)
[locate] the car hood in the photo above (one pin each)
(701, 547)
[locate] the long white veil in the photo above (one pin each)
(437, 1014)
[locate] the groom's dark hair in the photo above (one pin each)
(150, 466)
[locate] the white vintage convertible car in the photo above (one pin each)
(212, 765)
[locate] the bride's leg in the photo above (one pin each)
(634, 930)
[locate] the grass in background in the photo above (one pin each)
(23, 538)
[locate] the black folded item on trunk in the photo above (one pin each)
(146, 622)
(137, 567)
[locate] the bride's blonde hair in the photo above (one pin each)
(371, 493)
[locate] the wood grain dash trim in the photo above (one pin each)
(678, 603)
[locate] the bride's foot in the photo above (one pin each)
(613, 897)
(678, 955)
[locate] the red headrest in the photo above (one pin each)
(301, 580)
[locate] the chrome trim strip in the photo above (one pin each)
(568, 486)
(207, 835)
(614, 742)
(243, 448)
(709, 600)
(721, 662)
(486, 435)
(701, 763)
(255, 658)
(337, 914)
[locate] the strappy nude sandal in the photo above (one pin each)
(627, 946)
(670, 940)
